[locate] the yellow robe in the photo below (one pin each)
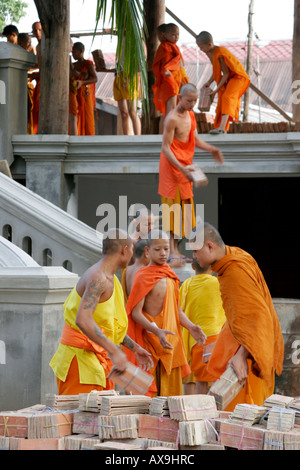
(111, 317)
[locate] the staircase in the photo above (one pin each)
(51, 236)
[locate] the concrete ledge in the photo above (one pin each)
(244, 153)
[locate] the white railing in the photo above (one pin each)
(51, 236)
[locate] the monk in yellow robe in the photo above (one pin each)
(175, 180)
(86, 98)
(96, 323)
(200, 300)
(250, 341)
(231, 78)
(154, 313)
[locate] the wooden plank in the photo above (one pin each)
(154, 427)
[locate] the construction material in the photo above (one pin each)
(281, 419)
(273, 440)
(85, 422)
(19, 443)
(159, 407)
(198, 176)
(92, 401)
(247, 414)
(161, 429)
(241, 437)
(115, 445)
(226, 388)
(205, 99)
(281, 401)
(125, 404)
(51, 424)
(133, 380)
(14, 424)
(194, 433)
(192, 407)
(99, 60)
(62, 402)
(81, 442)
(118, 427)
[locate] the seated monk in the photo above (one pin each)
(85, 91)
(154, 313)
(231, 78)
(250, 341)
(96, 323)
(201, 301)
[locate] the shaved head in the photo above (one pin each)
(157, 234)
(140, 246)
(206, 232)
(205, 37)
(188, 87)
(114, 239)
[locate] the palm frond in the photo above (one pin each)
(127, 19)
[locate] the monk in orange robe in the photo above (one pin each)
(86, 98)
(168, 68)
(154, 313)
(231, 78)
(250, 341)
(175, 180)
(35, 75)
(142, 259)
(96, 323)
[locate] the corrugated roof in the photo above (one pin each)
(275, 66)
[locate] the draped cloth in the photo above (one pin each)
(229, 96)
(36, 107)
(166, 359)
(75, 347)
(251, 321)
(167, 57)
(200, 299)
(86, 100)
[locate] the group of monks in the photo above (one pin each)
(185, 335)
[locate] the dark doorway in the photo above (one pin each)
(260, 215)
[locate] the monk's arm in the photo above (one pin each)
(87, 324)
(225, 76)
(195, 330)
(215, 152)
(143, 357)
(167, 139)
(92, 78)
(239, 363)
(139, 317)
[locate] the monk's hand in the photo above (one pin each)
(144, 358)
(119, 360)
(239, 364)
(162, 338)
(167, 73)
(217, 155)
(197, 333)
(186, 171)
(79, 83)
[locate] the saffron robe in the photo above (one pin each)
(93, 361)
(200, 300)
(251, 322)
(229, 96)
(86, 104)
(36, 106)
(170, 359)
(167, 57)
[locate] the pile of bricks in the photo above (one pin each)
(192, 422)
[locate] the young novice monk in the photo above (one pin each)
(200, 299)
(142, 258)
(155, 317)
(231, 78)
(168, 68)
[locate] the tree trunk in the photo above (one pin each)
(54, 70)
(154, 11)
(249, 59)
(296, 61)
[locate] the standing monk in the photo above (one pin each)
(37, 33)
(231, 78)
(154, 313)
(95, 323)
(85, 90)
(175, 181)
(251, 340)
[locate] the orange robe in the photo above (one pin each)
(229, 96)
(36, 106)
(86, 105)
(30, 91)
(175, 188)
(167, 57)
(251, 322)
(167, 362)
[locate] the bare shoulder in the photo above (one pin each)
(92, 282)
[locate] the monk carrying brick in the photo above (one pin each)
(231, 78)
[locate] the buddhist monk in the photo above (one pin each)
(155, 317)
(250, 341)
(96, 323)
(168, 69)
(231, 78)
(175, 180)
(85, 90)
(24, 40)
(37, 33)
(142, 258)
(200, 300)
(11, 33)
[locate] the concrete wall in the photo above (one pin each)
(31, 318)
